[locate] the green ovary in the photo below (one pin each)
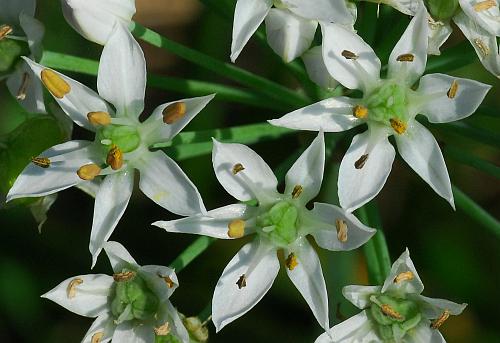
(125, 137)
(388, 102)
(282, 220)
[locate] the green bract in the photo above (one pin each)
(442, 9)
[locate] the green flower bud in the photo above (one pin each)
(197, 331)
(282, 219)
(125, 137)
(442, 10)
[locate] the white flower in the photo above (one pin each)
(388, 107)
(394, 312)
(131, 306)
(95, 19)
(121, 143)
(17, 27)
(280, 222)
(290, 25)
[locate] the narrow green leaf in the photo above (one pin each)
(469, 159)
(194, 250)
(452, 58)
(477, 134)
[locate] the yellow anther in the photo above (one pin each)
(242, 281)
(89, 171)
(398, 125)
(170, 283)
(124, 276)
(96, 338)
(297, 191)
(71, 290)
(237, 168)
(4, 31)
(42, 162)
(440, 321)
(360, 111)
(291, 261)
(236, 228)
(483, 48)
(349, 55)
(174, 112)
(390, 312)
(21, 92)
(405, 58)
(452, 92)
(484, 5)
(341, 230)
(115, 158)
(99, 118)
(55, 84)
(404, 276)
(162, 330)
(360, 163)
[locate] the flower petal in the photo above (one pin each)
(248, 15)
(409, 7)
(256, 180)
(327, 235)
(26, 88)
(433, 308)
(12, 9)
(34, 31)
(359, 296)
(448, 103)
(164, 182)
(330, 115)
(359, 186)
(131, 332)
(307, 276)
(357, 329)
(65, 160)
(118, 256)
(110, 204)
(439, 32)
(420, 150)
(85, 295)
(321, 10)
(156, 279)
(171, 314)
(486, 19)
(260, 265)
(362, 71)
(213, 224)
(121, 79)
(316, 68)
(289, 35)
(40, 208)
(414, 42)
(102, 325)
(424, 333)
(403, 265)
(79, 101)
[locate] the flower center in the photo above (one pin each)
(442, 9)
(124, 137)
(280, 223)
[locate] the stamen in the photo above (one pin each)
(55, 84)
(360, 163)
(89, 171)
(291, 261)
(115, 158)
(398, 125)
(237, 168)
(170, 283)
(297, 191)
(242, 281)
(162, 330)
(341, 230)
(174, 112)
(71, 290)
(405, 58)
(96, 338)
(452, 92)
(236, 228)
(483, 48)
(21, 92)
(99, 118)
(4, 31)
(484, 5)
(404, 276)
(440, 321)
(124, 276)
(42, 162)
(349, 55)
(360, 111)
(390, 312)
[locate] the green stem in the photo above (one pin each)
(476, 212)
(477, 134)
(472, 161)
(453, 58)
(194, 250)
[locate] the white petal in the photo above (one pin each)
(12, 9)
(121, 79)
(308, 170)
(177, 326)
(316, 68)
(402, 265)
(415, 42)
(95, 19)
(164, 182)
(162, 132)
(409, 7)
(438, 34)
(257, 180)
(424, 333)
(357, 329)
(360, 73)
(420, 150)
(289, 35)
(359, 186)
(85, 295)
(34, 31)
(326, 235)
(102, 325)
(488, 19)
(359, 296)
(213, 224)
(441, 108)
(131, 332)
(40, 208)
(307, 276)
(321, 10)
(110, 204)
(24, 76)
(79, 101)
(260, 265)
(248, 15)
(118, 256)
(66, 159)
(154, 277)
(330, 115)
(433, 308)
